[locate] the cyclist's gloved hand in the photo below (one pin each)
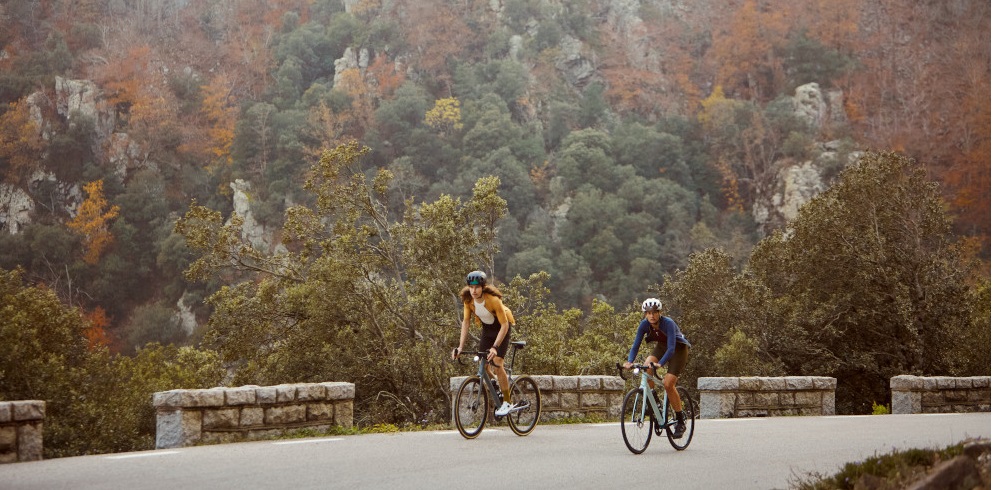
(627, 365)
(456, 352)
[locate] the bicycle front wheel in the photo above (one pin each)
(470, 407)
(637, 421)
(528, 405)
(690, 412)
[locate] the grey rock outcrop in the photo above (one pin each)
(575, 66)
(252, 231)
(817, 107)
(350, 59)
(809, 104)
(83, 99)
(15, 208)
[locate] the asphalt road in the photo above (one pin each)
(762, 453)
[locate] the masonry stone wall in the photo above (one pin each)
(220, 415)
(21, 430)
(766, 396)
(940, 394)
(564, 397)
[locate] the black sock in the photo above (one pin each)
(680, 416)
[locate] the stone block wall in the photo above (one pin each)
(219, 415)
(572, 396)
(940, 394)
(766, 396)
(21, 430)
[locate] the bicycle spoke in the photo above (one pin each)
(527, 406)
(470, 408)
(637, 421)
(690, 411)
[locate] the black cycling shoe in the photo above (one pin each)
(679, 429)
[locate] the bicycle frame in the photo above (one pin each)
(645, 413)
(472, 406)
(483, 373)
(650, 402)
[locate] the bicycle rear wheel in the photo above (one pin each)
(637, 421)
(470, 407)
(528, 406)
(690, 412)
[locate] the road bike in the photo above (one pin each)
(471, 406)
(644, 413)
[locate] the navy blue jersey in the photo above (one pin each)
(669, 332)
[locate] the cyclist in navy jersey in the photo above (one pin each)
(672, 349)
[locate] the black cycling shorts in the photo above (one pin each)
(489, 335)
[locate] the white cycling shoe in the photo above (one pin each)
(503, 409)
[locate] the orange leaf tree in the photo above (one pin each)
(91, 222)
(222, 115)
(20, 143)
(96, 332)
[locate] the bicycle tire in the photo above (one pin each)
(525, 393)
(690, 412)
(637, 426)
(470, 408)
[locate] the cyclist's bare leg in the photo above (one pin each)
(497, 370)
(670, 384)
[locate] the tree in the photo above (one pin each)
(47, 356)
(871, 274)
(20, 143)
(392, 279)
(445, 116)
(746, 50)
(43, 340)
(438, 35)
(221, 115)
(585, 159)
(92, 221)
(651, 152)
(389, 75)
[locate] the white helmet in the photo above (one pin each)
(652, 304)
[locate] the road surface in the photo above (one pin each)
(756, 453)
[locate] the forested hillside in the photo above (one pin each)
(271, 180)
(626, 134)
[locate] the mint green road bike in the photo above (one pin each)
(644, 413)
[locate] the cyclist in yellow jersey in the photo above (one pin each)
(482, 302)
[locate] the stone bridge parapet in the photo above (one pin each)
(754, 396)
(219, 415)
(940, 394)
(566, 397)
(21, 430)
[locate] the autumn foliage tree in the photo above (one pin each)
(446, 116)
(92, 221)
(388, 75)
(20, 143)
(221, 115)
(96, 331)
(746, 50)
(438, 33)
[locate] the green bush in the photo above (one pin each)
(96, 402)
(880, 409)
